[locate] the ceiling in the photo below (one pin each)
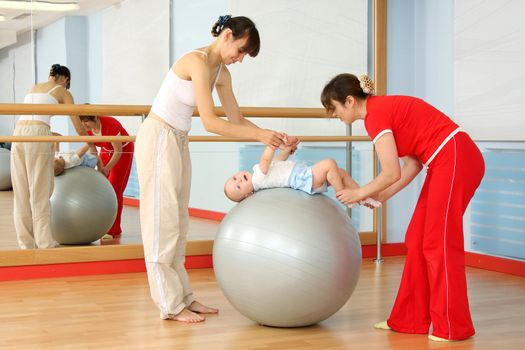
(17, 22)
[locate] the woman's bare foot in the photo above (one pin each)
(186, 316)
(382, 325)
(438, 339)
(201, 309)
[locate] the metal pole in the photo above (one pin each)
(379, 220)
(349, 160)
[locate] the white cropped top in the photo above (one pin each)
(37, 98)
(175, 100)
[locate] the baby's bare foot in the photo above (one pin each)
(186, 316)
(201, 309)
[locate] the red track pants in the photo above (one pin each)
(118, 177)
(433, 286)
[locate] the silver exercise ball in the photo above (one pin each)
(284, 258)
(5, 169)
(83, 206)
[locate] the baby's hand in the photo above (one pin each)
(291, 141)
(290, 144)
(285, 148)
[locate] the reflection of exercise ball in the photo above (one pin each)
(5, 169)
(284, 258)
(83, 206)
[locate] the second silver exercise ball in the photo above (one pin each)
(83, 206)
(284, 258)
(5, 169)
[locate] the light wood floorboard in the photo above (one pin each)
(116, 312)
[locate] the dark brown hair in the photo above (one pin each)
(84, 118)
(241, 27)
(58, 71)
(341, 86)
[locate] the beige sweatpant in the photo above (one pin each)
(33, 180)
(164, 172)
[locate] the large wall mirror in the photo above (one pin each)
(119, 51)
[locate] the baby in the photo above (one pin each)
(70, 160)
(281, 172)
(79, 158)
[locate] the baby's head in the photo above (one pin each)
(59, 165)
(239, 186)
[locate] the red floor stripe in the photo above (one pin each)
(197, 213)
(206, 214)
(132, 202)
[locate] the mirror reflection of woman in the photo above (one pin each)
(117, 158)
(32, 163)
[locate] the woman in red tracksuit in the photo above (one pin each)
(433, 287)
(116, 157)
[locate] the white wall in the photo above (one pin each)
(192, 22)
(419, 63)
(94, 54)
(289, 71)
(303, 45)
(489, 59)
(135, 45)
(135, 54)
(76, 34)
(17, 77)
(64, 42)
(51, 48)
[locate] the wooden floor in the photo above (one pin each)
(116, 312)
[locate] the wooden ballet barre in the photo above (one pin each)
(72, 109)
(67, 138)
(143, 110)
(191, 139)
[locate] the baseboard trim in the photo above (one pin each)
(15, 273)
(89, 254)
(494, 263)
(387, 249)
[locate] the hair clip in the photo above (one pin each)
(223, 19)
(366, 84)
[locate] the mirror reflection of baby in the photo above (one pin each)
(281, 172)
(79, 158)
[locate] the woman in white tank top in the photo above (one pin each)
(163, 162)
(32, 163)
